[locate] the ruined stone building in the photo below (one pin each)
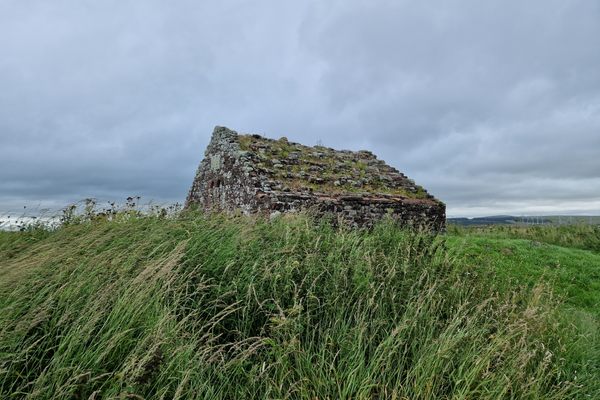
(253, 174)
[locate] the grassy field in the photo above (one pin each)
(230, 308)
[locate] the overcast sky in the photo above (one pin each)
(493, 106)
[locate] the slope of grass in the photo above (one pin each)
(195, 307)
(573, 273)
(582, 236)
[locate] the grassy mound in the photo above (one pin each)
(195, 307)
(578, 236)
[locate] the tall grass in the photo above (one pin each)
(580, 236)
(197, 308)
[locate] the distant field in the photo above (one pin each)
(185, 306)
(527, 220)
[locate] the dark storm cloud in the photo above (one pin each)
(493, 106)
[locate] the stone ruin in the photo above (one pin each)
(253, 174)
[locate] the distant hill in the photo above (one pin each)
(527, 220)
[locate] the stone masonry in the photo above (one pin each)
(253, 174)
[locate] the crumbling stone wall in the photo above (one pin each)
(222, 182)
(259, 175)
(364, 211)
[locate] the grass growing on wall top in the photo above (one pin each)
(197, 307)
(352, 174)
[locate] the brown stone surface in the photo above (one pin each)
(254, 174)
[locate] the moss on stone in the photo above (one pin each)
(322, 169)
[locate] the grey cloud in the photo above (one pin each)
(492, 105)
